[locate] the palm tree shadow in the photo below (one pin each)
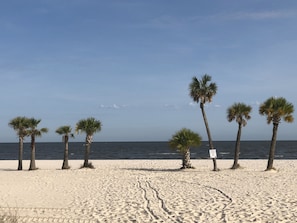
(153, 170)
(11, 170)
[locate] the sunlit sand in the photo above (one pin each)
(150, 191)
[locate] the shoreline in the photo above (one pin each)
(252, 164)
(149, 191)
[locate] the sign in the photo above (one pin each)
(213, 153)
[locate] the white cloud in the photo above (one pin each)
(257, 15)
(192, 104)
(256, 103)
(113, 106)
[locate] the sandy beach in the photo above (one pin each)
(150, 191)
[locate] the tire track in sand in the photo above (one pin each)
(224, 215)
(228, 200)
(154, 205)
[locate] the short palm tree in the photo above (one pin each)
(276, 109)
(239, 112)
(89, 126)
(203, 91)
(182, 141)
(34, 132)
(66, 132)
(20, 125)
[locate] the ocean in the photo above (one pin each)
(148, 150)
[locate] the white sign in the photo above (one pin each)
(213, 153)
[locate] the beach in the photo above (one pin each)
(149, 191)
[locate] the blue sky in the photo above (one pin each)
(129, 64)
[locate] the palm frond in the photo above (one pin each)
(276, 109)
(64, 130)
(183, 139)
(20, 125)
(201, 90)
(32, 129)
(239, 112)
(89, 126)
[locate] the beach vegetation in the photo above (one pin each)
(182, 141)
(66, 132)
(276, 109)
(34, 132)
(239, 112)
(20, 125)
(90, 126)
(202, 91)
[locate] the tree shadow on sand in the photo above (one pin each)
(11, 170)
(154, 169)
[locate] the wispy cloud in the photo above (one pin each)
(261, 15)
(113, 106)
(192, 104)
(171, 106)
(256, 103)
(167, 21)
(195, 105)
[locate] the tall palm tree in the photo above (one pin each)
(239, 112)
(20, 125)
(276, 109)
(34, 132)
(182, 141)
(66, 132)
(89, 126)
(202, 91)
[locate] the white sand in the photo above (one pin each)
(150, 191)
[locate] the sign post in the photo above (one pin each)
(213, 153)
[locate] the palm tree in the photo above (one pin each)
(239, 112)
(276, 109)
(89, 126)
(20, 125)
(34, 132)
(202, 91)
(182, 141)
(66, 132)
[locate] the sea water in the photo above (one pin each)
(148, 150)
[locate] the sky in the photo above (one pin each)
(129, 63)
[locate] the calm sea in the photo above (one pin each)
(149, 150)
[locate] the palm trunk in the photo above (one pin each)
(21, 149)
(186, 159)
(215, 168)
(272, 147)
(237, 148)
(65, 162)
(87, 152)
(32, 160)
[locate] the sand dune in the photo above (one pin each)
(150, 191)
